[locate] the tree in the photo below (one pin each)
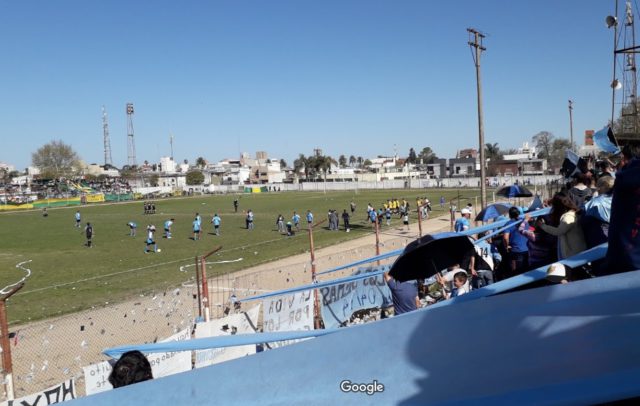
(129, 172)
(154, 179)
(56, 159)
(283, 164)
(301, 164)
(544, 143)
(342, 160)
(352, 160)
(360, 161)
(493, 152)
(186, 161)
(366, 162)
(558, 147)
(195, 178)
(412, 156)
(201, 162)
(427, 156)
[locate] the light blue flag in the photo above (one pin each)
(603, 140)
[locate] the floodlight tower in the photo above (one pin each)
(107, 141)
(131, 145)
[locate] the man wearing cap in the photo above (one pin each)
(463, 224)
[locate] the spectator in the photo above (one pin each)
(597, 214)
(463, 224)
(516, 245)
(569, 233)
(132, 367)
(481, 265)
(541, 245)
(623, 254)
(605, 168)
(459, 282)
(580, 192)
(404, 294)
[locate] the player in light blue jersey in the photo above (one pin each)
(196, 229)
(167, 228)
(216, 224)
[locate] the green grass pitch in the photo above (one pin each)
(67, 276)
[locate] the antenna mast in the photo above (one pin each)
(107, 140)
(628, 130)
(131, 145)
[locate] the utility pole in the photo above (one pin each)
(475, 43)
(571, 123)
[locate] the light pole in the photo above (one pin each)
(571, 123)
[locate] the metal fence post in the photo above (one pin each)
(7, 365)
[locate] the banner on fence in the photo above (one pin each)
(241, 323)
(96, 376)
(340, 301)
(288, 313)
(55, 394)
(95, 198)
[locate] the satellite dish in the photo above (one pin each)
(611, 21)
(616, 84)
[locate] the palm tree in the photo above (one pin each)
(342, 160)
(493, 151)
(352, 160)
(201, 162)
(301, 163)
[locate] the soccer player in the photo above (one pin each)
(216, 224)
(132, 228)
(78, 218)
(309, 218)
(196, 228)
(151, 229)
(88, 230)
(250, 220)
(296, 221)
(167, 228)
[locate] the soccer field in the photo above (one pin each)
(67, 276)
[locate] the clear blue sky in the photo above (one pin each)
(350, 77)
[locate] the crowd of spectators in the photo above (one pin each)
(598, 204)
